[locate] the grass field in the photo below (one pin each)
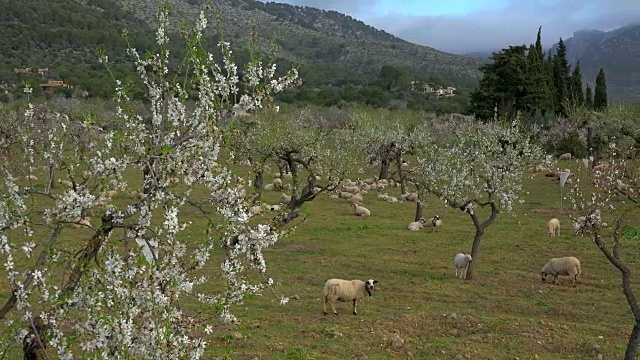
(506, 312)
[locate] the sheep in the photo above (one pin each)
(417, 225)
(277, 184)
(79, 223)
(361, 210)
(275, 208)
(565, 156)
(269, 187)
(409, 197)
(346, 291)
(65, 183)
(568, 266)
(255, 210)
(352, 189)
(553, 227)
(435, 222)
(31, 178)
(356, 198)
(285, 199)
(461, 262)
(345, 195)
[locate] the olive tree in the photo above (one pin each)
(92, 273)
(473, 166)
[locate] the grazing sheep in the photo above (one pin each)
(567, 266)
(553, 227)
(565, 156)
(352, 189)
(345, 195)
(30, 178)
(361, 210)
(346, 291)
(269, 187)
(65, 183)
(409, 197)
(461, 262)
(417, 225)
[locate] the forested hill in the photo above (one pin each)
(320, 37)
(342, 58)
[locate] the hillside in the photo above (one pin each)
(341, 59)
(320, 37)
(617, 51)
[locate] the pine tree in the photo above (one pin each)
(577, 96)
(539, 50)
(600, 93)
(561, 74)
(588, 101)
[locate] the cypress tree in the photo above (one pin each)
(577, 96)
(588, 101)
(561, 74)
(600, 93)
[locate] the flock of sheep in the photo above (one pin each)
(354, 191)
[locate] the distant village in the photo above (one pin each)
(47, 88)
(432, 89)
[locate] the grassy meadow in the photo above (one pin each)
(505, 312)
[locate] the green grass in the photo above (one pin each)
(505, 312)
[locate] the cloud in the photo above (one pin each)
(516, 22)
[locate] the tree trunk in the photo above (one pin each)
(475, 250)
(419, 209)
(384, 168)
(50, 182)
(259, 180)
(401, 178)
(634, 342)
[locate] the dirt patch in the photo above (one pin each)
(546, 210)
(296, 246)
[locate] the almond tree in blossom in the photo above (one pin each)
(103, 268)
(478, 168)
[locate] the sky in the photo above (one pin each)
(464, 26)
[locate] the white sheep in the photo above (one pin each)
(417, 225)
(435, 222)
(565, 156)
(346, 291)
(79, 223)
(567, 266)
(409, 197)
(31, 178)
(461, 262)
(269, 187)
(356, 198)
(553, 227)
(275, 208)
(285, 199)
(277, 184)
(361, 210)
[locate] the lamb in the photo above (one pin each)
(31, 178)
(285, 199)
(567, 266)
(565, 156)
(417, 225)
(346, 291)
(461, 262)
(361, 210)
(553, 227)
(269, 187)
